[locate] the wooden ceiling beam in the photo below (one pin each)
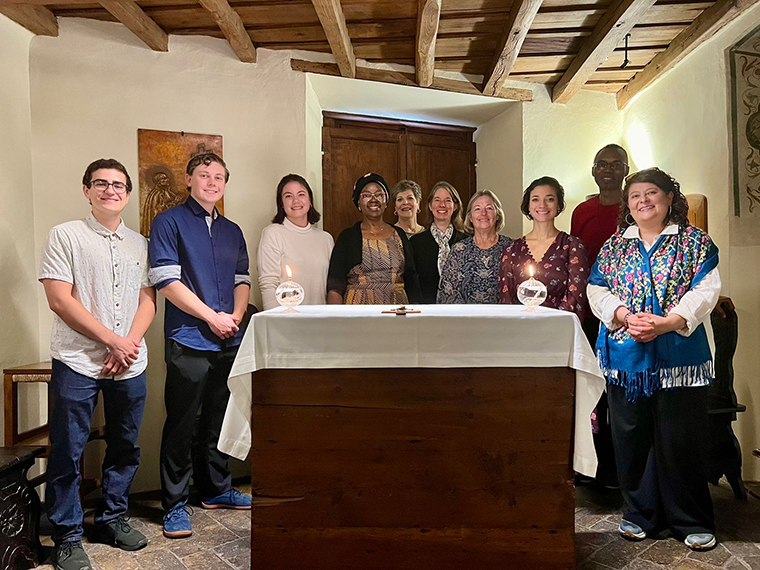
(233, 29)
(705, 26)
(37, 19)
(333, 22)
(428, 18)
(43, 2)
(137, 22)
(409, 79)
(516, 29)
(607, 34)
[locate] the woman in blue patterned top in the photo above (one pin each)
(654, 283)
(471, 273)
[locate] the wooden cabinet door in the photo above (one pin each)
(349, 154)
(426, 153)
(436, 157)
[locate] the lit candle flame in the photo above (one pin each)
(288, 271)
(530, 270)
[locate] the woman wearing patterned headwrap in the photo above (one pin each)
(654, 283)
(372, 262)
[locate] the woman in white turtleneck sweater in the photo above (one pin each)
(293, 240)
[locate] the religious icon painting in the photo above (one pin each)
(163, 157)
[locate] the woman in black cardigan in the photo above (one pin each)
(431, 247)
(372, 262)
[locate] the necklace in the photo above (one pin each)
(372, 231)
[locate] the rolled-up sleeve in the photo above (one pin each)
(165, 267)
(57, 261)
(242, 276)
(697, 303)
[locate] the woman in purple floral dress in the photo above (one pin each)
(558, 260)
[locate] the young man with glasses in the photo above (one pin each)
(95, 275)
(594, 221)
(199, 262)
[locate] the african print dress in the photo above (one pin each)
(379, 278)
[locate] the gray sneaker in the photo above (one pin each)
(701, 541)
(631, 531)
(118, 533)
(70, 556)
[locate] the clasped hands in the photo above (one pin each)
(645, 327)
(224, 325)
(122, 352)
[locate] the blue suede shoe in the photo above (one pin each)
(700, 541)
(631, 531)
(177, 522)
(232, 499)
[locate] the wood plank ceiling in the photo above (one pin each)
(566, 44)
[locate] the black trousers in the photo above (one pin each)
(661, 444)
(195, 380)
(606, 471)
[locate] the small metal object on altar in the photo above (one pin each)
(401, 311)
(289, 294)
(531, 292)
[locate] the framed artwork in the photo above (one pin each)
(163, 158)
(745, 122)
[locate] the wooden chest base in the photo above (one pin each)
(413, 469)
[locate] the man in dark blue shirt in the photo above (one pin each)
(199, 262)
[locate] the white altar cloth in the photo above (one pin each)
(441, 336)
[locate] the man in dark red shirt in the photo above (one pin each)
(594, 221)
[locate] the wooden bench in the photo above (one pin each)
(38, 436)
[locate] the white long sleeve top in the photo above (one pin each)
(695, 306)
(307, 252)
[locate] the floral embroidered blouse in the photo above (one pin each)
(564, 269)
(471, 274)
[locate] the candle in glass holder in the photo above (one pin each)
(531, 292)
(289, 294)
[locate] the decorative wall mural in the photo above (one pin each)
(745, 109)
(163, 157)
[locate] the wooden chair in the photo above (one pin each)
(38, 436)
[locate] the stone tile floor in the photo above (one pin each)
(221, 539)
(598, 546)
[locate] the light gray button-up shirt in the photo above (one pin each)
(107, 270)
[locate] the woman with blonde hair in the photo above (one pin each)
(471, 273)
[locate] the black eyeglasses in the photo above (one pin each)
(615, 165)
(102, 185)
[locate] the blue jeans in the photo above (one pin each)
(73, 397)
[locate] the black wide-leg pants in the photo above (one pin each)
(195, 380)
(661, 442)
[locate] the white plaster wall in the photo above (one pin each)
(19, 327)
(539, 138)
(88, 103)
(562, 140)
(682, 124)
(313, 147)
(500, 163)
(403, 102)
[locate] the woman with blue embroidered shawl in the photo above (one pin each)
(654, 283)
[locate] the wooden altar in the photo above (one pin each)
(440, 440)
